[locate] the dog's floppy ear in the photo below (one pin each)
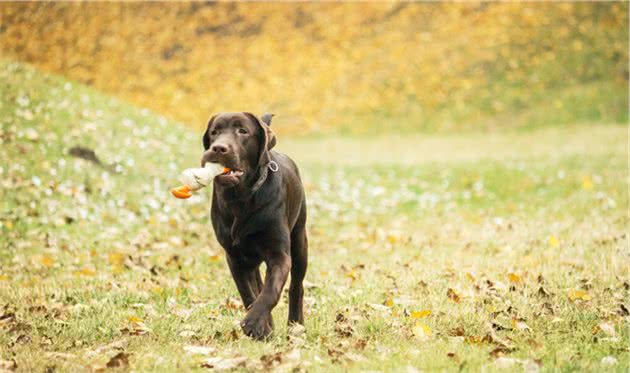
(206, 136)
(268, 139)
(271, 137)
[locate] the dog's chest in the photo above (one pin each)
(243, 248)
(237, 234)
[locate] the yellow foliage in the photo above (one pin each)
(514, 278)
(422, 331)
(579, 295)
(323, 64)
(420, 314)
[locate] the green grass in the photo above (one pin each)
(394, 222)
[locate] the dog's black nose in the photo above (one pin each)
(219, 148)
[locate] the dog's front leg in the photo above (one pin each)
(258, 322)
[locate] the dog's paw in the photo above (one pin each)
(257, 325)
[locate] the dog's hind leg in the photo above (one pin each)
(299, 258)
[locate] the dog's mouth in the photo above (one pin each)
(231, 172)
(230, 176)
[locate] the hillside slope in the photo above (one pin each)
(44, 187)
(331, 68)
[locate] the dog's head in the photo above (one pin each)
(240, 142)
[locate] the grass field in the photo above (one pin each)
(506, 251)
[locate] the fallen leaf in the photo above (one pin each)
(553, 241)
(579, 295)
(138, 326)
(233, 303)
(116, 345)
(295, 334)
(514, 278)
(186, 333)
(7, 318)
(351, 275)
(422, 331)
(271, 361)
(542, 292)
(85, 272)
(453, 295)
(120, 360)
(457, 332)
(134, 319)
(116, 259)
(519, 325)
(378, 307)
(499, 351)
(220, 363)
(47, 260)
(184, 313)
(9, 365)
(420, 314)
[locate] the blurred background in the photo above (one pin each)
(341, 68)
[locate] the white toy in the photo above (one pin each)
(196, 178)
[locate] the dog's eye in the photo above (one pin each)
(242, 131)
(213, 133)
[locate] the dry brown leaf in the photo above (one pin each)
(543, 293)
(9, 365)
(120, 360)
(519, 325)
(232, 303)
(453, 295)
(500, 351)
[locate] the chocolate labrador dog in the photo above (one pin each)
(258, 215)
